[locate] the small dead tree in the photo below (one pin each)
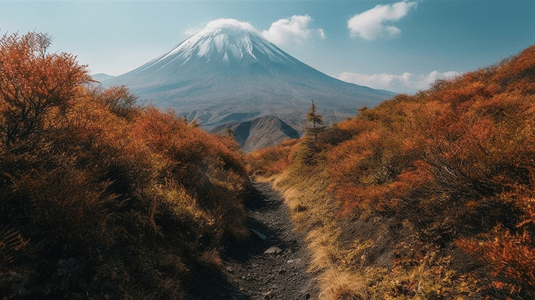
(229, 131)
(316, 120)
(194, 123)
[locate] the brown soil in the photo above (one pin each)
(249, 273)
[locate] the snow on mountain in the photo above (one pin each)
(228, 73)
(225, 40)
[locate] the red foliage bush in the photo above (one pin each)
(101, 198)
(273, 160)
(511, 258)
(34, 85)
(455, 161)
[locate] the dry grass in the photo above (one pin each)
(318, 219)
(343, 285)
(344, 269)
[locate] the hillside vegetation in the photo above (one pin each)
(102, 199)
(428, 196)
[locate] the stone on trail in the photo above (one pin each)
(295, 261)
(273, 250)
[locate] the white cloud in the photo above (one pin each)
(284, 31)
(369, 25)
(321, 33)
(229, 24)
(404, 83)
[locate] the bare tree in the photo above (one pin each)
(40, 42)
(229, 131)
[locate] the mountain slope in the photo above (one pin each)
(259, 133)
(228, 68)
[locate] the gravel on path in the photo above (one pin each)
(272, 264)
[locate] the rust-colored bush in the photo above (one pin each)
(451, 163)
(273, 160)
(510, 257)
(102, 198)
(34, 86)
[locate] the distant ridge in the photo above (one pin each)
(259, 133)
(102, 77)
(229, 71)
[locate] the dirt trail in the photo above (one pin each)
(249, 273)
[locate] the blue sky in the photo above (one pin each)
(396, 45)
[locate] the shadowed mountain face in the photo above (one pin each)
(259, 133)
(229, 73)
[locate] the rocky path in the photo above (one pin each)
(271, 265)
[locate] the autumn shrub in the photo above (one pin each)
(455, 160)
(334, 135)
(467, 137)
(34, 86)
(511, 259)
(307, 155)
(118, 100)
(272, 160)
(450, 163)
(101, 198)
(201, 163)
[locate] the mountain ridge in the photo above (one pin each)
(259, 133)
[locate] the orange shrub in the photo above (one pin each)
(451, 163)
(456, 161)
(511, 258)
(203, 164)
(101, 198)
(33, 85)
(273, 160)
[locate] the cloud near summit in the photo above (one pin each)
(281, 32)
(230, 23)
(371, 25)
(220, 23)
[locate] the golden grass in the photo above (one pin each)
(313, 210)
(342, 284)
(342, 271)
(210, 258)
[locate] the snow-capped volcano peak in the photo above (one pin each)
(226, 40)
(228, 72)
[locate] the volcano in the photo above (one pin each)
(229, 73)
